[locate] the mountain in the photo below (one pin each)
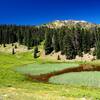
(70, 23)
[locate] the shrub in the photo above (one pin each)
(15, 46)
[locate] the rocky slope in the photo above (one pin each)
(70, 23)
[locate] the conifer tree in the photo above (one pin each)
(98, 49)
(55, 40)
(48, 42)
(35, 52)
(13, 51)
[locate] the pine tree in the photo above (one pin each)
(48, 42)
(58, 57)
(61, 38)
(98, 49)
(35, 52)
(55, 40)
(13, 51)
(68, 47)
(98, 43)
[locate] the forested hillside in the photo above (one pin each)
(71, 39)
(26, 35)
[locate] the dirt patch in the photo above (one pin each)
(45, 77)
(9, 47)
(54, 55)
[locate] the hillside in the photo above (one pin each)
(70, 39)
(52, 56)
(24, 77)
(70, 23)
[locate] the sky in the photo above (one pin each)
(37, 12)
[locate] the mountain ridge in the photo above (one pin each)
(70, 23)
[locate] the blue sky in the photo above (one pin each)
(35, 12)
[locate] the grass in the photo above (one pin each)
(14, 86)
(38, 69)
(7, 62)
(80, 79)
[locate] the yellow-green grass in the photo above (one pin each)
(80, 79)
(14, 86)
(7, 63)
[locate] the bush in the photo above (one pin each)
(12, 44)
(15, 46)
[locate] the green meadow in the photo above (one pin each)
(15, 86)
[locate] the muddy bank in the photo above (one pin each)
(81, 68)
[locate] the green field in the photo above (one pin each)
(15, 86)
(38, 69)
(80, 79)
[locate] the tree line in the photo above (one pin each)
(26, 35)
(72, 41)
